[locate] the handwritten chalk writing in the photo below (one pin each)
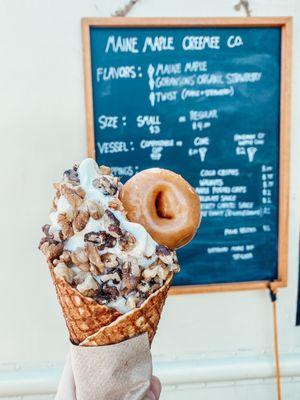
(147, 120)
(162, 143)
(165, 96)
(219, 172)
(121, 44)
(243, 230)
(206, 199)
(158, 43)
(227, 205)
(242, 256)
(106, 121)
(227, 189)
(112, 147)
(243, 213)
(201, 141)
(202, 190)
(167, 69)
(244, 204)
(174, 81)
(234, 78)
(195, 66)
(203, 114)
(121, 72)
(123, 171)
(207, 172)
(247, 229)
(211, 182)
(194, 99)
(191, 93)
(234, 41)
(228, 172)
(201, 42)
(212, 250)
(233, 231)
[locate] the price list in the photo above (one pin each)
(203, 102)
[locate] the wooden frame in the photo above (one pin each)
(285, 23)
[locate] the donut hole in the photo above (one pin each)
(163, 205)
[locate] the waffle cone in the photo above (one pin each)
(83, 315)
(144, 319)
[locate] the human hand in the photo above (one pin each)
(67, 389)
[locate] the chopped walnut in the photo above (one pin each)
(111, 292)
(110, 260)
(154, 288)
(116, 204)
(95, 270)
(96, 211)
(100, 239)
(163, 271)
(131, 302)
(150, 272)
(111, 219)
(66, 257)
(58, 236)
(112, 224)
(164, 254)
(80, 220)
(104, 170)
(66, 225)
(107, 184)
(131, 267)
(71, 176)
(129, 283)
(80, 277)
(80, 259)
(46, 229)
(74, 196)
(143, 287)
(158, 280)
(114, 230)
(115, 277)
(89, 286)
(63, 271)
(55, 235)
(175, 268)
(158, 268)
(94, 257)
(51, 248)
(127, 241)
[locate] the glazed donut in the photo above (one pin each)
(165, 204)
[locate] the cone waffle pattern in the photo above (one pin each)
(140, 320)
(83, 315)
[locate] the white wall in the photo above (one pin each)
(208, 346)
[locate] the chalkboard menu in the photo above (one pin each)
(207, 99)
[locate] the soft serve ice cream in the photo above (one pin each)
(93, 246)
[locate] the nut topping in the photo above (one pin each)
(66, 225)
(80, 220)
(71, 176)
(89, 286)
(74, 196)
(51, 248)
(94, 257)
(110, 260)
(165, 255)
(127, 241)
(107, 184)
(63, 271)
